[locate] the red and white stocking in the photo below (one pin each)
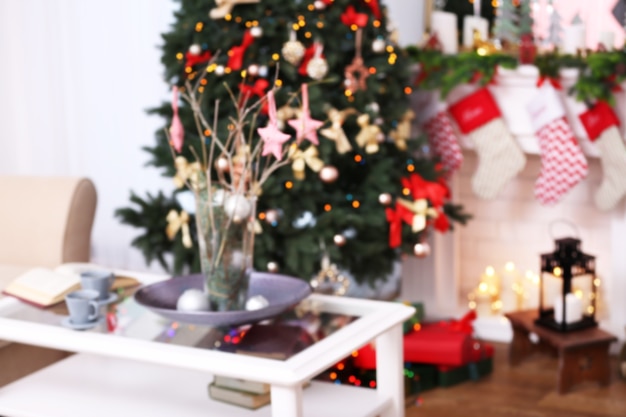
(563, 163)
(443, 141)
(500, 158)
(601, 125)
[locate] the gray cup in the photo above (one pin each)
(100, 281)
(83, 306)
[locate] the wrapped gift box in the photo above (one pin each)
(481, 364)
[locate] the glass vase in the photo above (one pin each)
(226, 242)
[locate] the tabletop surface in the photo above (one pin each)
(338, 325)
(526, 319)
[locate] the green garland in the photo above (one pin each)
(601, 73)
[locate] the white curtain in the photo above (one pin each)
(75, 79)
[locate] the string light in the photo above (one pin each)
(238, 19)
(372, 70)
(275, 56)
(328, 207)
(179, 56)
(228, 17)
(288, 185)
(358, 158)
(308, 35)
(408, 90)
(199, 26)
(356, 204)
(295, 26)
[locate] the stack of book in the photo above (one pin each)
(249, 394)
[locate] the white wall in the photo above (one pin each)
(75, 80)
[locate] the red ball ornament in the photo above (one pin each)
(329, 174)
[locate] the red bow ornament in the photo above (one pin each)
(395, 217)
(374, 7)
(236, 53)
(350, 17)
(192, 60)
(435, 192)
(258, 89)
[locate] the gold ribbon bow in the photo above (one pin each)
(335, 131)
(420, 211)
(370, 135)
(225, 7)
(176, 222)
(303, 158)
(186, 172)
(403, 131)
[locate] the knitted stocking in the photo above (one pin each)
(563, 163)
(601, 125)
(500, 158)
(443, 140)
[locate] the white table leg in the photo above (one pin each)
(286, 401)
(389, 366)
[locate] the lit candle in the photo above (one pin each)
(573, 309)
(471, 23)
(444, 25)
(511, 286)
(482, 299)
(531, 290)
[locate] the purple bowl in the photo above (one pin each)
(282, 293)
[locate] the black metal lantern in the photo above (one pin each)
(567, 288)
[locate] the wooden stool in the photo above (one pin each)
(583, 354)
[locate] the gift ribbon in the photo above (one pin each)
(186, 172)
(301, 159)
(350, 17)
(442, 223)
(419, 213)
(177, 131)
(464, 325)
(225, 7)
(394, 217)
(176, 222)
(336, 133)
(191, 59)
(258, 89)
(236, 53)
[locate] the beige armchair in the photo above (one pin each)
(44, 222)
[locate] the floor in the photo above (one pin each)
(524, 391)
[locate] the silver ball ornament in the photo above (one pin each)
(329, 174)
(317, 68)
(378, 46)
(253, 70)
(319, 5)
(221, 164)
(193, 300)
(271, 216)
(339, 239)
(384, 199)
(293, 52)
(195, 49)
(256, 31)
(219, 70)
(237, 207)
(421, 250)
(272, 267)
(263, 71)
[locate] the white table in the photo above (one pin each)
(129, 373)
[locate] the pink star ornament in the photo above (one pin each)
(305, 126)
(273, 138)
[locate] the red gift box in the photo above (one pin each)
(446, 343)
(479, 352)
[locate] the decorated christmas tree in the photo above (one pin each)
(359, 191)
(526, 20)
(555, 29)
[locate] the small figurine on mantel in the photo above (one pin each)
(484, 47)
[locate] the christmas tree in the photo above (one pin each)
(506, 27)
(365, 193)
(526, 20)
(555, 30)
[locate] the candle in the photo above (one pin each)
(511, 291)
(531, 290)
(573, 38)
(482, 298)
(444, 25)
(472, 23)
(573, 309)
(607, 38)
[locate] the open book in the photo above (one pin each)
(45, 287)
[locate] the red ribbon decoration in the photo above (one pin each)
(236, 53)
(374, 7)
(258, 89)
(460, 326)
(350, 17)
(555, 82)
(435, 192)
(616, 87)
(441, 223)
(395, 226)
(328, 2)
(191, 59)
